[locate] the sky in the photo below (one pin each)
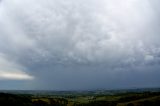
(79, 44)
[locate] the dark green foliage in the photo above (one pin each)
(135, 96)
(126, 99)
(14, 100)
(130, 104)
(98, 103)
(19, 100)
(40, 103)
(150, 103)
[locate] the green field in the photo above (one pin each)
(81, 98)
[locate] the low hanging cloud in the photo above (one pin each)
(56, 37)
(14, 76)
(81, 31)
(10, 71)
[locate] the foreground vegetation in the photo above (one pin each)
(92, 99)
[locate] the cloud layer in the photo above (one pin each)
(57, 41)
(11, 71)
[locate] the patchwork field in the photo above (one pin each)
(81, 98)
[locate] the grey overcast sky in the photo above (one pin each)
(79, 44)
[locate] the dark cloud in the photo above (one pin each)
(81, 44)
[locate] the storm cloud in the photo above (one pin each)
(82, 44)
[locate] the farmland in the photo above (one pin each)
(134, 97)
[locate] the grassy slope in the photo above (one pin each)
(122, 99)
(136, 102)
